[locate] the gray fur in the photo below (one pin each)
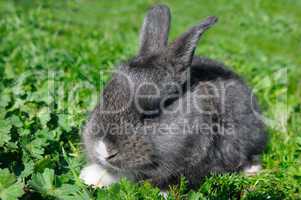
(161, 157)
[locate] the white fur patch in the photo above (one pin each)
(252, 170)
(97, 176)
(101, 150)
(164, 193)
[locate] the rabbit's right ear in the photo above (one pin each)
(155, 29)
(182, 49)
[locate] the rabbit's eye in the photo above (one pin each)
(112, 155)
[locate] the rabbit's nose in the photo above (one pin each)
(102, 151)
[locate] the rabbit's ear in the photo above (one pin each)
(182, 49)
(155, 28)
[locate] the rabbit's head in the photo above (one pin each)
(115, 133)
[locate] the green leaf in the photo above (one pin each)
(67, 192)
(5, 127)
(44, 115)
(28, 168)
(196, 196)
(43, 182)
(6, 178)
(15, 120)
(10, 189)
(4, 100)
(36, 147)
(12, 192)
(64, 122)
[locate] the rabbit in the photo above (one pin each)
(167, 113)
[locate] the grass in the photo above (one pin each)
(51, 53)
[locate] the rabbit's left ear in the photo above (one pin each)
(182, 49)
(155, 28)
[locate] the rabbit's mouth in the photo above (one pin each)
(109, 161)
(105, 157)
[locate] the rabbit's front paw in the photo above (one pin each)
(252, 170)
(97, 176)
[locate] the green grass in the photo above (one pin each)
(51, 53)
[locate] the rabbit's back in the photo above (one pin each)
(213, 127)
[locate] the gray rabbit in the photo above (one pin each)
(166, 113)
